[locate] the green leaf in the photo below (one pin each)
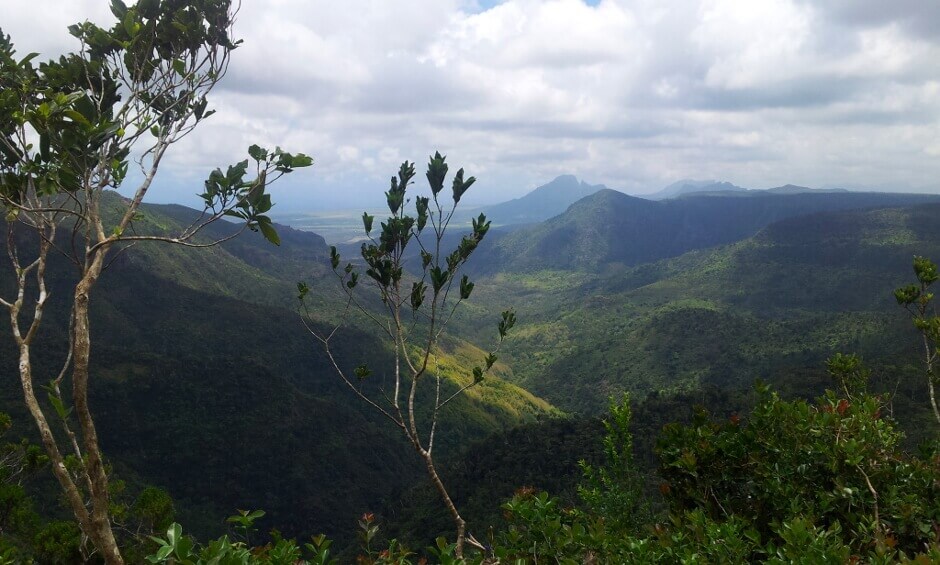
(173, 534)
(130, 23)
(258, 153)
(926, 270)
(118, 8)
(438, 278)
(300, 160)
(184, 548)
(437, 172)
(334, 257)
(179, 67)
(466, 287)
(421, 203)
(270, 234)
(417, 294)
(907, 295)
(199, 108)
(148, 8)
(76, 117)
(490, 360)
(395, 196)
(367, 222)
(163, 553)
(460, 186)
(506, 324)
(59, 406)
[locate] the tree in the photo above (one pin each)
(789, 482)
(69, 130)
(835, 463)
(614, 490)
(849, 373)
(414, 312)
(916, 299)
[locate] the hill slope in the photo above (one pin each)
(772, 306)
(544, 202)
(609, 228)
(204, 383)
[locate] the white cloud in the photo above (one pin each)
(753, 43)
(632, 93)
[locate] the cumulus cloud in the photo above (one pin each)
(631, 93)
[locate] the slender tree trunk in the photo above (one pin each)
(91, 523)
(930, 388)
(101, 532)
(459, 522)
(72, 493)
(933, 397)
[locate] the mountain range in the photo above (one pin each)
(610, 229)
(723, 188)
(689, 186)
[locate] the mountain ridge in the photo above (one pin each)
(690, 186)
(610, 228)
(542, 203)
(771, 306)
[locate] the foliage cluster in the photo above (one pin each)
(30, 532)
(414, 314)
(793, 481)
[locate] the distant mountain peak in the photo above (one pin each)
(559, 183)
(796, 189)
(690, 186)
(789, 189)
(568, 178)
(544, 202)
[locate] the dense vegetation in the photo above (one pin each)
(610, 229)
(186, 405)
(166, 398)
(772, 306)
(791, 481)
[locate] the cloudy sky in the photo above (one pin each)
(634, 94)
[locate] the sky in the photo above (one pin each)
(634, 94)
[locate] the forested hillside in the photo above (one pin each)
(610, 229)
(192, 384)
(778, 302)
